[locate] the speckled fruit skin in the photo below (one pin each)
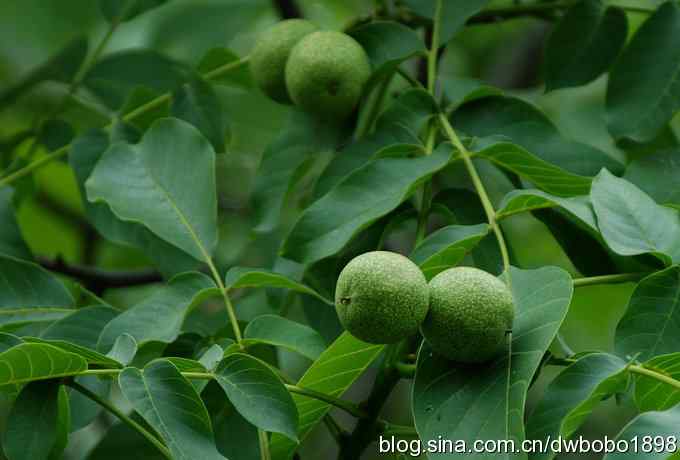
(326, 73)
(270, 54)
(470, 314)
(381, 297)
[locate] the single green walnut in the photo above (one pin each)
(326, 73)
(381, 297)
(271, 52)
(470, 313)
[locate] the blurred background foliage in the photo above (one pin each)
(504, 54)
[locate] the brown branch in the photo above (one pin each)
(97, 279)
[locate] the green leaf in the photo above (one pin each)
(82, 327)
(124, 349)
(91, 356)
(281, 332)
(577, 207)
(29, 294)
(31, 431)
(304, 139)
(400, 123)
(11, 241)
(658, 175)
(488, 402)
(160, 316)
(121, 438)
(359, 200)
(544, 175)
(243, 277)
(528, 127)
(84, 155)
(653, 424)
(644, 89)
(583, 45)
(453, 16)
(61, 67)
(116, 11)
(55, 134)
(8, 341)
(632, 223)
(197, 102)
(333, 373)
(651, 324)
(83, 410)
(650, 393)
(36, 361)
(168, 402)
(573, 394)
(114, 77)
(459, 90)
(166, 182)
(387, 44)
(258, 394)
(447, 247)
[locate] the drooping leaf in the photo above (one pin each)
(584, 44)
(460, 90)
(572, 396)
(528, 127)
(302, 142)
(364, 196)
(160, 316)
(85, 152)
(447, 247)
(37, 361)
(282, 332)
(11, 241)
(166, 182)
(487, 402)
(123, 10)
(543, 174)
(333, 373)
(453, 16)
(651, 324)
(658, 175)
(243, 277)
(168, 402)
(196, 102)
(115, 76)
(29, 294)
(31, 431)
(387, 44)
(258, 394)
(663, 425)
(632, 223)
(650, 393)
(644, 89)
(82, 327)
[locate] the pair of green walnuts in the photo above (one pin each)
(322, 72)
(464, 313)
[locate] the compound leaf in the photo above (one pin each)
(243, 277)
(37, 361)
(656, 425)
(281, 332)
(651, 394)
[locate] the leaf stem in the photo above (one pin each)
(608, 279)
(264, 445)
(347, 406)
(121, 416)
(407, 370)
(479, 186)
(159, 101)
(655, 375)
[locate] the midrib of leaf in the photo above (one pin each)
(29, 310)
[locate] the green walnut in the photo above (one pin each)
(271, 52)
(326, 73)
(381, 297)
(470, 313)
